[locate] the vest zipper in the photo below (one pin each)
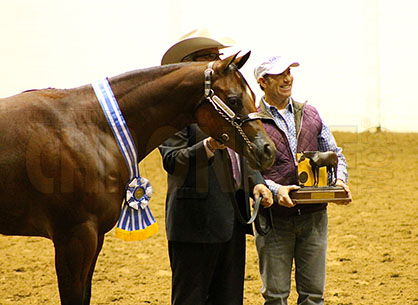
(298, 131)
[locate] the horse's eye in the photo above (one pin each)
(234, 101)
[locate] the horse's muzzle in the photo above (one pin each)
(263, 154)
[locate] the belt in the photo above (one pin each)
(298, 210)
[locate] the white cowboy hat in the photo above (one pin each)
(194, 41)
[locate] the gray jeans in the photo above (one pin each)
(304, 239)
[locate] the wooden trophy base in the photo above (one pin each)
(322, 194)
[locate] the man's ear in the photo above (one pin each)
(262, 82)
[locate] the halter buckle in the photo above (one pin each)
(208, 80)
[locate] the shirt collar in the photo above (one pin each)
(269, 107)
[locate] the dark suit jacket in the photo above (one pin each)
(199, 203)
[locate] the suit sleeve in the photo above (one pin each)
(181, 150)
(254, 177)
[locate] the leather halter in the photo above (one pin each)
(236, 121)
(227, 113)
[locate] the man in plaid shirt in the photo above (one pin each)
(299, 232)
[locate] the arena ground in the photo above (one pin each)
(372, 251)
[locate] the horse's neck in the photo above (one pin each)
(158, 102)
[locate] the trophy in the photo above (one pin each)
(317, 175)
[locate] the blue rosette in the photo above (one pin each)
(138, 193)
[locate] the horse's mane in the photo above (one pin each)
(151, 73)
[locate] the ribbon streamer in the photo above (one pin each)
(136, 221)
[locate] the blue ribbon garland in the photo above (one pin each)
(136, 221)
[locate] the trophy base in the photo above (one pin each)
(310, 194)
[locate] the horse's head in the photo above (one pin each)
(307, 154)
(228, 112)
(302, 158)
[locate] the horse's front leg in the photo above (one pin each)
(76, 253)
(332, 172)
(92, 267)
(333, 176)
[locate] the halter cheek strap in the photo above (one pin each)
(208, 79)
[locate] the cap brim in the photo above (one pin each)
(279, 69)
(187, 46)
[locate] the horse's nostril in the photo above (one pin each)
(268, 151)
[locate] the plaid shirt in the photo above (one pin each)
(285, 121)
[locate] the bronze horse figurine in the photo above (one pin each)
(62, 175)
(319, 159)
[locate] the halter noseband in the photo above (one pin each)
(227, 113)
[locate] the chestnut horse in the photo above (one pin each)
(62, 175)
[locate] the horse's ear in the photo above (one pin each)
(231, 61)
(243, 60)
(236, 61)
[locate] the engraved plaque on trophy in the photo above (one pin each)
(314, 169)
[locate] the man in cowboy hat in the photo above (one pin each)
(206, 242)
(198, 45)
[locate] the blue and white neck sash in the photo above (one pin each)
(136, 221)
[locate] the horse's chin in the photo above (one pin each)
(268, 163)
(255, 164)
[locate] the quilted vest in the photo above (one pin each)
(284, 170)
